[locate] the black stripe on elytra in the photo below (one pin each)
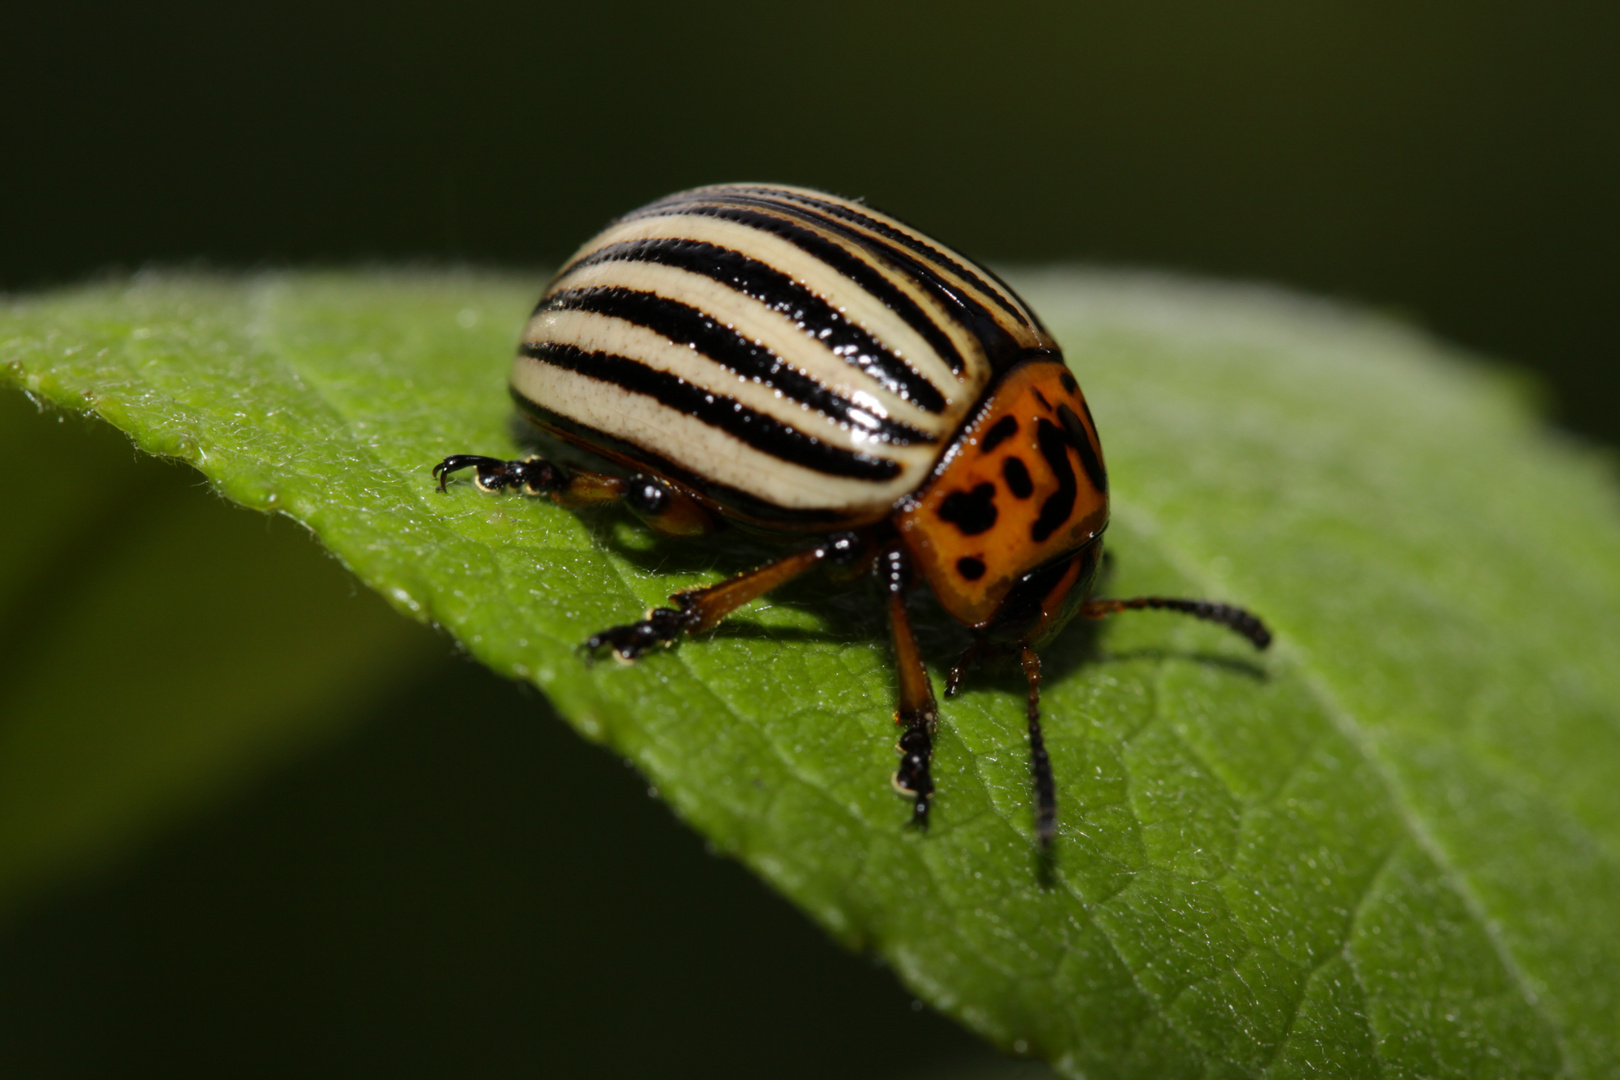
(751, 511)
(999, 432)
(1058, 506)
(780, 293)
(1082, 444)
(835, 255)
(755, 429)
(999, 345)
(686, 325)
(889, 232)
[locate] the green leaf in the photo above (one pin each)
(1392, 845)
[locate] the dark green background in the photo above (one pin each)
(1454, 159)
(459, 883)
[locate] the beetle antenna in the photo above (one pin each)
(1244, 622)
(1040, 763)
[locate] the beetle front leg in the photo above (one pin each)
(918, 714)
(1040, 761)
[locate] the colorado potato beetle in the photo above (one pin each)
(804, 367)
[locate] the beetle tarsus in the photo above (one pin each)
(661, 627)
(533, 475)
(1234, 618)
(913, 777)
(699, 610)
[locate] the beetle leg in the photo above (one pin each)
(698, 610)
(1236, 618)
(663, 506)
(918, 713)
(1040, 763)
(534, 475)
(971, 656)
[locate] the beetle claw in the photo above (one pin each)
(534, 475)
(661, 627)
(913, 776)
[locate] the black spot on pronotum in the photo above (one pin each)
(1082, 444)
(973, 512)
(1017, 477)
(1068, 382)
(1059, 505)
(1040, 397)
(970, 568)
(999, 432)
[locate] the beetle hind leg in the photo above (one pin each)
(533, 475)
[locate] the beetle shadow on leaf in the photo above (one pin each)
(1045, 860)
(722, 553)
(1081, 645)
(1232, 665)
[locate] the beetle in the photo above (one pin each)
(809, 369)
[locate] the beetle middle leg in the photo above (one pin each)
(697, 610)
(1040, 762)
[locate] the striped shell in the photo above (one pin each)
(798, 358)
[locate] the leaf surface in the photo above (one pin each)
(1390, 846)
